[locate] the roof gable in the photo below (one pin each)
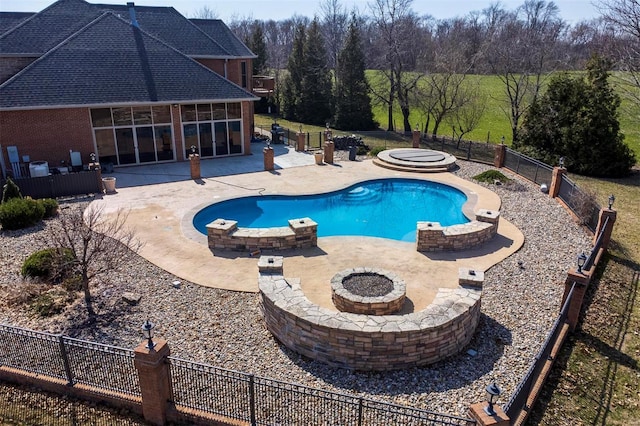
(111, 62)
(9, 20)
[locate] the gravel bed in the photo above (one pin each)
(521, 299)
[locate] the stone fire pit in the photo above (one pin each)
(368, 291)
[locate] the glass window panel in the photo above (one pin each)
(105, 143)
(206, 140)
(126, 147)
(219, 112)
(234, 110)
(101, 117)
(188, 112)
(222, 147)
(164, 143)
(235, 137)
(204, 112)
(190, 138)
(161, 114)
(122, 116)
(141, 115)
(146, 146)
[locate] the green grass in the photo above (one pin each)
(495, 122)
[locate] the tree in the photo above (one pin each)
(96, 245)
(316, 97)
(291, 95)
(467, 115)
(577, 118)
(334, 28)
(257, 45)
(353, 104)
(205, 12)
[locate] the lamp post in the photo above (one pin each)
(493, 392)
(612, 198)
(581, 261)
(147, 332)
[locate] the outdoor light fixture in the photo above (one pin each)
(612, 198)
(147, 332)
(493, 392)
(561, 162)
(93, 160)
(502, 140)
(581, 261)
(193, 149)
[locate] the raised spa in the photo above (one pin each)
(386, 208)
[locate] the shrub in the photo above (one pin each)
(10, 191)
(18, 213)
(50, 207)
(376, 150)
(491, 176)
(49, 303)
(51, 263)
(72, 283)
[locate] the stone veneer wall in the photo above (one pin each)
(368, 342)
(431, 236)
(225, 234)
(346, 301)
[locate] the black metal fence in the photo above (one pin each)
(532, 169)
(520, 398)
(262, 401)
(59, 185)
(582, 204)
(463, 149)
(75, 361)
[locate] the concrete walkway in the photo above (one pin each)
(162, 199)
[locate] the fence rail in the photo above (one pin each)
(532, 169)
(581, 204)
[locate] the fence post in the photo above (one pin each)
(252, 400)
(477, 413)
(605, 213)
(65, 360)
(416, 138)
(500, 154)
(300, 141)
(556, 181)
(153, 375)
(268, 158)
(582, 281)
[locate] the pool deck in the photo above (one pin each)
(161, 200)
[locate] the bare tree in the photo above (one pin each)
(205, 12)
(624, 15)
(466, 117)
(334, 26)
(97, 244)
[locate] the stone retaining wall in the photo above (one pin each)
(431, 236)
(225, 234)
(367, 342)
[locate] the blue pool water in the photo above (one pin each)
(386, 208)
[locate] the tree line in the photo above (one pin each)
(426, 64)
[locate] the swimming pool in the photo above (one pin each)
(386, 208)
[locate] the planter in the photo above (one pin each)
(318, 155)
(109, 184)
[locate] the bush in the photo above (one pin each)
(491, 176)
(18, 213)
(50, 207)
(376, 150)
(10, 191)
(49, 303)
(51, 263)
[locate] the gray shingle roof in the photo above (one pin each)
(54, 24)
(9, 20)
(218, 30)
(126, 65)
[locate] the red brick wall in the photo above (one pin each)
(234, 72)
(47, 135)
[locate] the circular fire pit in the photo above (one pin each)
(367, 291)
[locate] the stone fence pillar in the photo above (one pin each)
(194, 159)
(153, 375)
(556, 181)
(329, 148)
(268, 158)
(98, 169)
(602, 218)
(500, 154)
(416, 138)
(301, 141)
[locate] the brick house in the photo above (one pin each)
(134, 85)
